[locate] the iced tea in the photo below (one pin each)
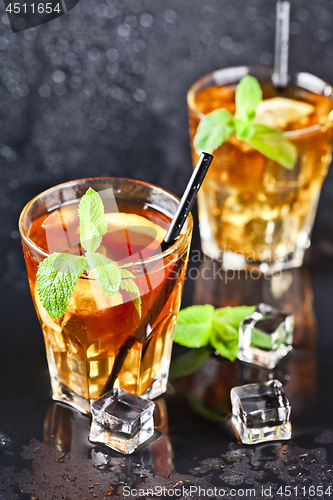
(101, 341)
(249, 205)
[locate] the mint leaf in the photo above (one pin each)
(244, 130)
(273, 144)
(226, 325)
(57, 277)
(189, 362)
(193, 328)
(225, 339)
(130, 286)
(248, 96)
(233, 315)
(92, 223)
(260, 339)
(214, 129)
(106, 273)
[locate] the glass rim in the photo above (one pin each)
(243, 70)
(174, 247)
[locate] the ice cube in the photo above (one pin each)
(121, 420)
(88, 297)
(260, 412)
(280, 112)
(265, 337)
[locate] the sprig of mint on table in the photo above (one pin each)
(207, 330)
(58, 274)
(219, 125)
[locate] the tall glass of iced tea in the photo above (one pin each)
(100, 341)
(253, 212)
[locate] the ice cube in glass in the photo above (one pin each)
(260, 412)
(121, 420)
(265, 336)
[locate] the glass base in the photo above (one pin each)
(61, 393)
(238, 262)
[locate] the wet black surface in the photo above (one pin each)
(44, 446)
(101, 91)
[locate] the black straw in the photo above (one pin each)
(187, 200)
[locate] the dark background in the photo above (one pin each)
(102, 91)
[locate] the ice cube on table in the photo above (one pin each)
(260, 412)
(265, 336)
(121, 420)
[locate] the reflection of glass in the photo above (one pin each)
(208, 389)
(101, 342)
(251, 209)
(67, 430)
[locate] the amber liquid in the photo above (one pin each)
(102, 342)
(251, 205)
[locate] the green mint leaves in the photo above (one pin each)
(213, 130)
(58, 274)
(57, 277)
(106, 273)
(194, 326)
(273, 144)
(219, 125)
(199, 326)
(92, 223)
(248, 96)
(130, 287)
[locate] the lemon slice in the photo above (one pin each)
(136, 224)
(279, 112)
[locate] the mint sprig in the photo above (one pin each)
(92, 223)
(199, 326)
(219, 125)
(58, 274)
(106, 273)
(213, 130)
(57, 277)
(128, 285)
(194, 326)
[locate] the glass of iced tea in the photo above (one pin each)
(102, 342)
(253, 212)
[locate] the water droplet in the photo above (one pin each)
(158, 103)
(58, 76)
(112, 54)
(298, 471)
(140, 95)
(146, 20)
(226, 42)
(60, 89)
(302, 14)
(44, 91)
(14, 183)
(170, 16)
(322, 35)
(94, 54)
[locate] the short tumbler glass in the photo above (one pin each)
(254, 213)
(100, 342)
